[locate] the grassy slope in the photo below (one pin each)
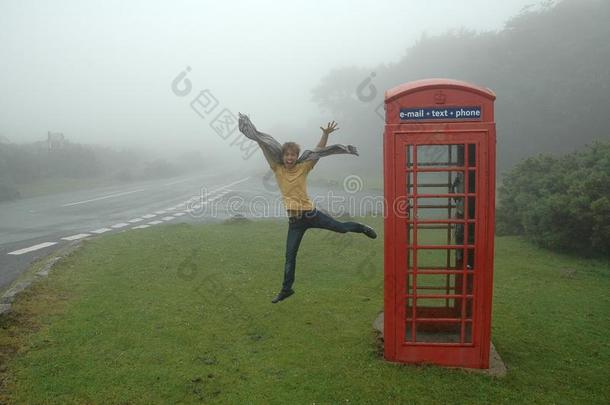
(182, 314)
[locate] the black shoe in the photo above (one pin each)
(282, 295)
(368, 231)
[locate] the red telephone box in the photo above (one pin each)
(439, 181)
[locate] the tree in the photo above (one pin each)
(548, 66)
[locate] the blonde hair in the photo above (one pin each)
(293, 146)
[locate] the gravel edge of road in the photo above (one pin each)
(38, 270)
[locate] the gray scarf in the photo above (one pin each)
(274, 148)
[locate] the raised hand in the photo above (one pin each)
(330, 127)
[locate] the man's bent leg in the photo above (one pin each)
(321, 220)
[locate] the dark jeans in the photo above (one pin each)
(296, 229)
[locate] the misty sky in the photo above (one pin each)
(100, 71)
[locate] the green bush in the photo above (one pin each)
(561, 203)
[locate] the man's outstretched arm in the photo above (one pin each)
(271, 148)
(272, 163)
(330, 127)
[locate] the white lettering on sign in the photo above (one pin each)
(436, 113)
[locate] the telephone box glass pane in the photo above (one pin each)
(410, 208)
(435, 234)
(471, 208)
(468, 332)
(430, 309)
(410, 236)
(408, 331)
(438, 234)
(438, 332)
(472, 155)
(437, 258)
(409, 155)
(470, 259)
(435, 308)
(471, 234)
(439, 182)
(468, 309)
(439, 208)
(464, 284)
(440, 155)
(472, 181)
(433, 284)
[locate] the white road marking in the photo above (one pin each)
(210, 198)
(103, 197)
(32, 248)
(179, 214)
(147, 216)
(178, 181)
(231, 184)
(207, 196)
(140, 227)
(77, 236)
(101, 230)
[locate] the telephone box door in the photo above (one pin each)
(441, 187)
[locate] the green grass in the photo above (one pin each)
(181, 314)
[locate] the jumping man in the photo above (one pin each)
(291, 175)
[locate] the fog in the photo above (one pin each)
(101, 71)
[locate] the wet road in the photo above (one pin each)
(34, 227)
